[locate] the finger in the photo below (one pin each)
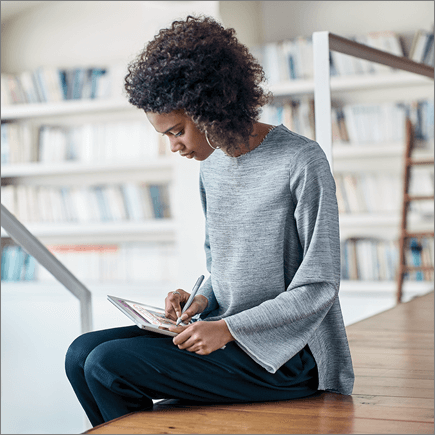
(172, 305)
(190, 312)
(183, 335)
(177, 329)
(191, 344)
(195, 349)
(170, 312)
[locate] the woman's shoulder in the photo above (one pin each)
(294, 145)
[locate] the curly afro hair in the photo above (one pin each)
(200, 67)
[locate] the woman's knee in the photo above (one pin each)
(104, 363)
(77, 353)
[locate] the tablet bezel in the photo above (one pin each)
(137, 318)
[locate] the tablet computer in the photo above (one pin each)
(144, 316)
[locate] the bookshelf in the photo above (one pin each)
(364, 159)
(379, 86)
(161, 168)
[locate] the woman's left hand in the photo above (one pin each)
(202, 337)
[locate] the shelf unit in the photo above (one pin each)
(377, 88)
(168, 169)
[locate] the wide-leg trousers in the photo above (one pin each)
(117, 371)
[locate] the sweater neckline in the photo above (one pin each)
(239, 159)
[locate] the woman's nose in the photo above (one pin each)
(176, 145)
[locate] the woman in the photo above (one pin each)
(272, 246)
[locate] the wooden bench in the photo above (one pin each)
(394, 365)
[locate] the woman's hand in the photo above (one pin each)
(203, 337)
(175, 301)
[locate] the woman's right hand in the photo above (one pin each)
(175, 302)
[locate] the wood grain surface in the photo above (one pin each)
(392, 354)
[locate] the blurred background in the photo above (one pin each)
(86, 173)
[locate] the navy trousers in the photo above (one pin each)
(117, 371)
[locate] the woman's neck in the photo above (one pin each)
(258, 135)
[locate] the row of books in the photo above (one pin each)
(361, 259)
(293, 59)
(374, 192)
(297, 115)
(377, 260)
(100, 203)
(367, 192)
(24, 142)
(128, 262)
(361, 124)
(357, 124)
(48, 84)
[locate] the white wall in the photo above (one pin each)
(246, 18)
(71, 33)
(65, 34)
(289, 19)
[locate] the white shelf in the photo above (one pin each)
(155, 230)
(359, 286)
(351, 83)
(350, 151)
(378, 219)
(68, 107)
(162, 165)
(369, 219)
(380, 225)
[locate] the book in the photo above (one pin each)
(29, 88)
(159, 198)
(420, 45)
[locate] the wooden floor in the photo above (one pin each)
(394, 366)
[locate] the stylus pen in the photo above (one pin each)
(192, 295)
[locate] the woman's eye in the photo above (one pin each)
(179, 134)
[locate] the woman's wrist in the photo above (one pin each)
(225, 331)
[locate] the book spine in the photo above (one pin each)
(371, 259)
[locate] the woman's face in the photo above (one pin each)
(183, 135)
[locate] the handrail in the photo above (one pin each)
(323, 42)
(352, 48)
(34, 247)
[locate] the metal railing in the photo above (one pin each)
(18, 232)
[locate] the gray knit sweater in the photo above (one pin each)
(273, 253)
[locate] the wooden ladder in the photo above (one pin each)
(406, 235)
